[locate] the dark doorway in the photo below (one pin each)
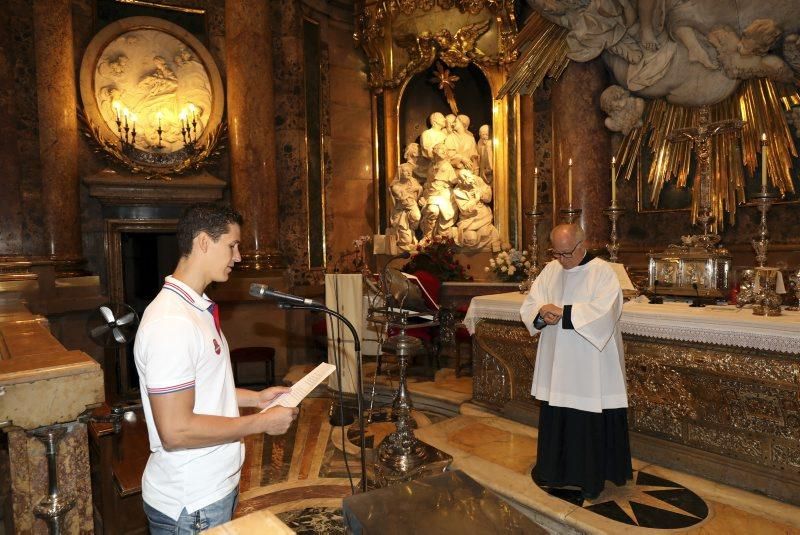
(147, 257)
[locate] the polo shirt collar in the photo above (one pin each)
(200, 302)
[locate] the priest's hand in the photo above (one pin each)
(551, 314)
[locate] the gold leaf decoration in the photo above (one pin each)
(545, 54)
(761, 103)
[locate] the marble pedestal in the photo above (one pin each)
(44, 387)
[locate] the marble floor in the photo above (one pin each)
(302, 476)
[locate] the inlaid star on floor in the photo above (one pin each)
(647, 501)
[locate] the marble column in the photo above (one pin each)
(10, 194)
(251, 121)
(579, 133)
(292, 162)
(58, 131)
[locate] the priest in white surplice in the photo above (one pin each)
(579, 378)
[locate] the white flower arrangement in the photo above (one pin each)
(510, 265)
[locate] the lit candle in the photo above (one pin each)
(569, 182)
(192, 109)
(158, 117)
(182, 117)
(764, 162)
(125, 112)
(535, 188)
(613, 180)
(116, 107)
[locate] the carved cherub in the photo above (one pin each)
(791, 51)
(747, 57)
(623, 109)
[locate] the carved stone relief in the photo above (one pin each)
(152, 94)
(691, 53)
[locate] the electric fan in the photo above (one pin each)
(112, 324)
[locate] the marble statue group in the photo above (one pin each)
(443, 189)
(691, 53)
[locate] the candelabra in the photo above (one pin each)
(571, 214)
(401, 456)
(764, 201)
(57, 503)
(613, 212)
(536, 215)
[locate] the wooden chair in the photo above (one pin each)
(254, 354)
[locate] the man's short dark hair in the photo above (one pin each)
(213, 219)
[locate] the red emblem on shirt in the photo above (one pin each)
(217, 348)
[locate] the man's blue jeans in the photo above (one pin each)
(209, 516)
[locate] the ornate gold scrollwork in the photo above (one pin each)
(374, 21)
(456, 50)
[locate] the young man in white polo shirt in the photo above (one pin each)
(190, 402)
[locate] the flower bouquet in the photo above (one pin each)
(510, 265)
(437, 256)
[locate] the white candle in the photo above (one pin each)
(569, 182)
(613, 181)
(764, 162)
(158, 116)
(535, 188)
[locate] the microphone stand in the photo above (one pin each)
(697, 301)
(359, 392)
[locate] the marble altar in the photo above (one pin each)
(712, 391)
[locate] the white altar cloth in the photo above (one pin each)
(722, 325)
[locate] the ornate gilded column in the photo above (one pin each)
(58, 131)
(527, 142)
(579, 133)
(251, 122)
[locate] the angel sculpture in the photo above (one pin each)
(459, 49)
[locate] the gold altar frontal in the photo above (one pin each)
(725, 413)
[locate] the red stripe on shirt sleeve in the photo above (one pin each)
(170, 389)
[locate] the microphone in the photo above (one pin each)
(697, 301)
(262, 291)
(656, 299)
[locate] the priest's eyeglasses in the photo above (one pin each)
(557, 254)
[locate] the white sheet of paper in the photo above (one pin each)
(303, 387)
(624, 280)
